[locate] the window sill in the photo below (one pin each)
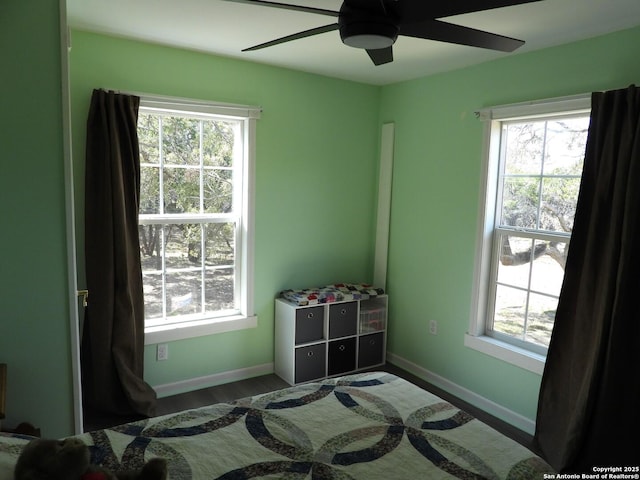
(519, 357)
(200, 328)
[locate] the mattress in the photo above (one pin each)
(364, 426)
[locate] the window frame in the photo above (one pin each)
(245, 317)
(488, 209)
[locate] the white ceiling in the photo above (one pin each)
(225, 28)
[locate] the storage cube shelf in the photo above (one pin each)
(318, 341)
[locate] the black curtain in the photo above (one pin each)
(113, 333)
(589, 404)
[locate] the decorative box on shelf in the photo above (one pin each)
(327, 331)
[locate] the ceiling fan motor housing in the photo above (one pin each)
(365, 29)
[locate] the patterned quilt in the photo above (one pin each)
(337, 292)
(363, 426)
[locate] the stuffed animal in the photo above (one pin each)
(70, 460)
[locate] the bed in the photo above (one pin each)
(364, 426)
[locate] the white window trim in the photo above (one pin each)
(475, 337)
(247, 318)
(200, 328)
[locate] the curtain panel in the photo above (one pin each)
(113, 333)
(588, 408)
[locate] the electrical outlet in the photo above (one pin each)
(162, 352)
(433, 327)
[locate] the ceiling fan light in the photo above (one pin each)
(368, 41)
(369, 33)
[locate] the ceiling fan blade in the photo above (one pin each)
(286, 6)
(448, 32)
(295, 36)
(415, 10)
(381, 56)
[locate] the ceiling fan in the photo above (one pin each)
(374, 25)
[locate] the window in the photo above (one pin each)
(195, 221)
(533, 169)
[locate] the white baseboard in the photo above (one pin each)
(517, 420)
(207, 381)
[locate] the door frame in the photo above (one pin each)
(72, 282)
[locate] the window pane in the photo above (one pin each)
(217, 143)
(180, 141)
(219, 289)
(520, 202)
(559, 198)
(524, 148)
(218, 191)
(148, 138)
(548, 270)
(566, 141)
(220, 241)
(183, 292)
(509, 312)
(541, 315)
(152, 287)
(183, 246)
(514, 266)
(149, 236)
(149, 189)
(181, 190)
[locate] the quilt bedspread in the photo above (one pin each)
(362, 426)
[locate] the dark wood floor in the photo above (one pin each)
(268, 383)
(220, 393)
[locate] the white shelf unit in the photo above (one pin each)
(318, 341)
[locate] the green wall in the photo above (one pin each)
(34, 310)
(316, 170)
(436, 184)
